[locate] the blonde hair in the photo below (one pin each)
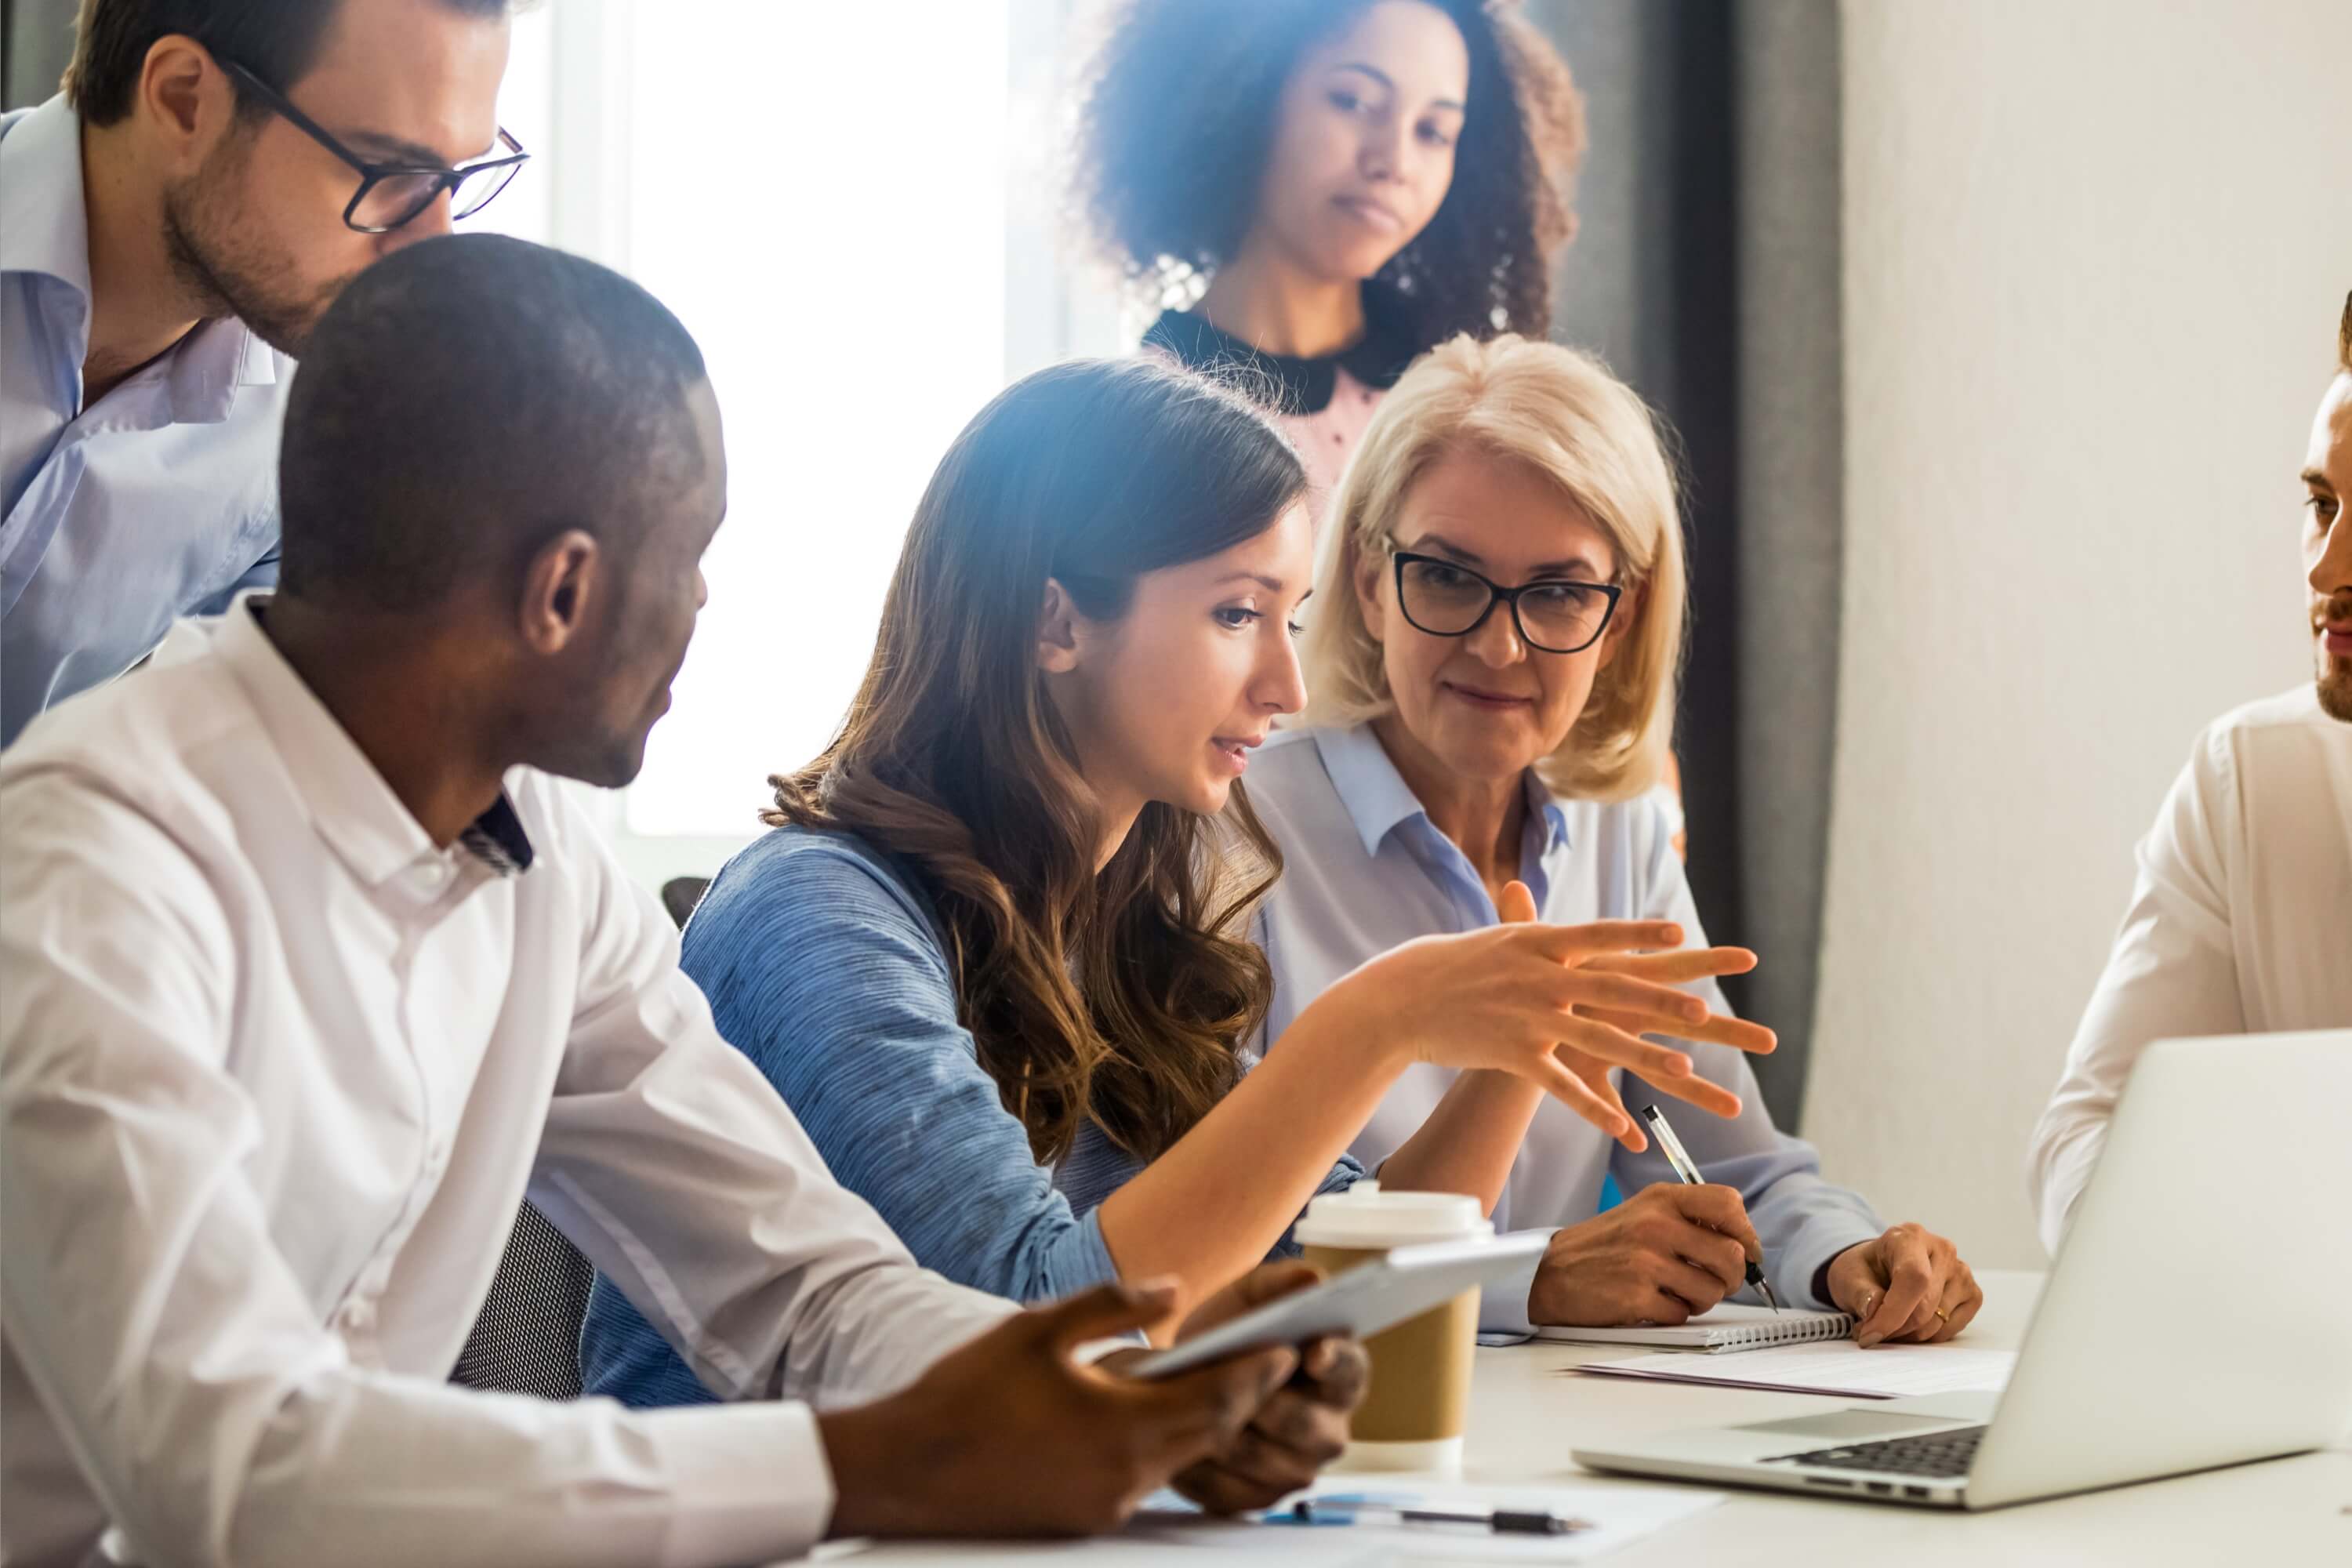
(1562, 414)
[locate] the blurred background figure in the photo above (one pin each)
(1325, 189)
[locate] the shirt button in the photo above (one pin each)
(433, 875)
(357, 1316)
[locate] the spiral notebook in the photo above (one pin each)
(1722, 1331)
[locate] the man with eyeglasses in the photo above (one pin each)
(170, 227)
(2240, 919)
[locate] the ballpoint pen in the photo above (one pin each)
(1502, 1521)
(1681, 1161)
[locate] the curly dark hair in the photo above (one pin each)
(1169, 206)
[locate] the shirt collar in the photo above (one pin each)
(1292, 384)
(1375, 794)
(352, 808)
(47, 234)
(1378, 801)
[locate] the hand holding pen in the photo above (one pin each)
(1687, 1169)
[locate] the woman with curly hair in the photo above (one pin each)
(994, 952)
(1354, 182)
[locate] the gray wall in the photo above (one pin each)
(38, 37)
(1705, 270)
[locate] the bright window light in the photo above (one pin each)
(825, 209)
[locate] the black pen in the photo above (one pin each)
(1672, 1147)
(1503, 1521)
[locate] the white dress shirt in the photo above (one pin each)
(2240, 922)
(1364, 870)
(275, 1074)
(158, 499)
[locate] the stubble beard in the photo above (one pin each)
(227, 276)
(2335, 685)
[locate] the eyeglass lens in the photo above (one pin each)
(1559, 617)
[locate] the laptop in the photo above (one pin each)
(2166, 1340)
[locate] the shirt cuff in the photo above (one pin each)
(752, 1482)
(1503, 1305)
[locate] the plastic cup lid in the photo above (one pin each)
(1366, 1216)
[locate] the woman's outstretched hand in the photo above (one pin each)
(1557, 1006)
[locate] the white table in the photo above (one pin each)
(1528, 1409)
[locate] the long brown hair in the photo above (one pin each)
(1119, 998)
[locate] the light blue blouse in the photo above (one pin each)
(823, 964)
(1364, 870)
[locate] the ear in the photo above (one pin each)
(185, 100)
(1363, 572)
(559, 591)
(1061, 632)
(1621, 627)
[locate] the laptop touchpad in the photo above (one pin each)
(1846, 1424)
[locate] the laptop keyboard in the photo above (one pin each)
(1938, 1454)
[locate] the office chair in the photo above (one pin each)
(527, 1339)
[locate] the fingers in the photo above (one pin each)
(1932, 1318)
(1719, 1209)
(1203, 1410)
(1619, 1048)
(1679, 968)
(1962, 1298)
(1120, 1307)
(1667, 1309)
(1699, 1289)
(1716, 1029)
(1903, 1262)
(1662, 1006)
(1721, 1258)
(1570, 944)
(1337, 1371)
(1595, 1101)
(1518, 905)
(1705, 1093)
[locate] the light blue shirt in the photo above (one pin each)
(822, 958)
(158, 501)
(1364, 870)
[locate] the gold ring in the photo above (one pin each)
(1943, 1314)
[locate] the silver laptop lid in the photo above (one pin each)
(2199, 1312)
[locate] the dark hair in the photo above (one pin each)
(2344, 335)
(1119, 997)
(464, 400)
(277, 40)
(1178, 111)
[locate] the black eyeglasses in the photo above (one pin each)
(1554, 614)
(392, 195)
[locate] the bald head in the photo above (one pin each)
(465, 401)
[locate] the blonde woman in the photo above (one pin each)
(1491, 685)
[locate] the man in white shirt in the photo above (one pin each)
(314, 973)
(2242, 919)
(171, 225)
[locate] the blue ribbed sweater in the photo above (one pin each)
(823, 964)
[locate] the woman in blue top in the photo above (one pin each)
(1493, 666)
(993, 953)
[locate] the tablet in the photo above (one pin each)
(1358, 1302)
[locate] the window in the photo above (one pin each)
(850, 209)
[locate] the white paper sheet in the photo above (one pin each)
(1888, 1372)
(1617, 1515)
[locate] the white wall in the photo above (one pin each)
(2096, 251)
